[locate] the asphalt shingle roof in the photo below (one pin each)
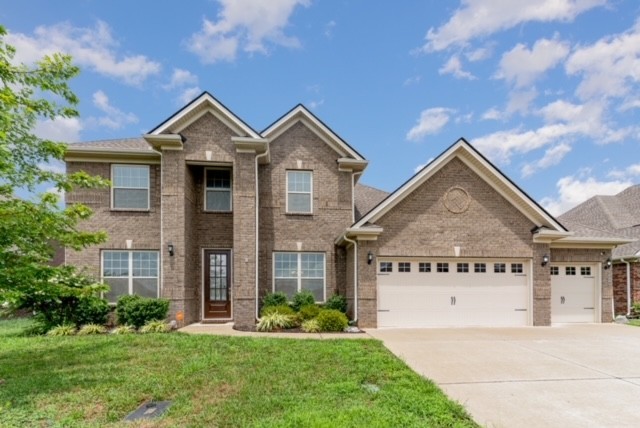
(366, 198)
(133, 144)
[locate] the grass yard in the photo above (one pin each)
(212, 381)
(634, 322)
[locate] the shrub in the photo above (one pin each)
(311, 326)
(275, 299)
(62, 330)
(138, 311)
(73, 310)
(332, 320)
(302, 298)
(337, 302)
(88, 329)
(281, 309)
(636, 307)
(157, 326)
(308, 312)
(275, 321)
(124, 329)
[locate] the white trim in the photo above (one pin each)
(462, 151)
(205, 189)
(299, 273)
(230, 288)
(310, 193)
(113, 187)
(309, 120)
(214, 107)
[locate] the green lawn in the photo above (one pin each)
(212, 381)
(634, 322)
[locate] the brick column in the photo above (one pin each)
(541, 286)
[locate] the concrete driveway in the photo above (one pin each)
(565, 376)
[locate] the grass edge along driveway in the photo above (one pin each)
(212, 381)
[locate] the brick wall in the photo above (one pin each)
(619, 272)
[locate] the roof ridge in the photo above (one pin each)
(104, 140)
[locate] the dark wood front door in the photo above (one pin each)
(217, 284)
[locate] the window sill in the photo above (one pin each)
(299, 214)
(136, 210)
(216, 212)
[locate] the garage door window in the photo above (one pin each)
(570, 270)
(295, 272)
(516, 267)
(404, 267)
(479, 267)
(386, 267)
(442, 267)
(555, 270)
(499, 267)
(585, 271)
(463, 267)
(424, 267)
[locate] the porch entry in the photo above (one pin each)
(217, 284)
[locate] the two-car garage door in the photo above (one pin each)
(432, 292)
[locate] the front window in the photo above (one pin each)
(130, 272)
(130, 190)
(295, 272)
(218, 190)
(299, 192)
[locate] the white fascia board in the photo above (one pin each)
(587, 242)
(352, 165)
(213, 103)
(547, 236)
(319, 128)
(164, 141)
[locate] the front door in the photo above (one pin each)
(217, 284)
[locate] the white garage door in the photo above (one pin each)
(573, 293)
(433, 293)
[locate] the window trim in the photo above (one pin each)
(310, 193)
(299, 278)
(113, 187)
(130, 269)
(205, 189)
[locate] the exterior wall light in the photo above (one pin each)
(369, 257)
(171, 249)
(607, 264)
(545, 259)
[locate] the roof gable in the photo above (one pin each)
(301, 114)
(485, 170)
(203, 104)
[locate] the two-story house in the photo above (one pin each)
(211, 214)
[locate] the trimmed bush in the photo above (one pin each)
(337, 302)
(157, 326)
(89, 329)
(73, 310)
(138, 311)
(274, 299)
(332, 320)
(311, 326)
(308, 312)
(124, 329)
(276, 321)
(281, 309)
(302, 298)
(62, 330)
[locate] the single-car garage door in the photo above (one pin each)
(573, 293)
(439, 293)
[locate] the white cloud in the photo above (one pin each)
(181, 78)
(413, 80)
(608, 66)
(476, 18)
(522, 66)
(328, 29)
(552, 156)
(519, 101)
(247, 25)
(628, 172)
(492, 114)
(431, 121)
(188, 94)
(94, 48)
(573, 191)
(454, 66)
(65, 129)
(422, 165)
(480, 54)
(315, 104)
(114, 118)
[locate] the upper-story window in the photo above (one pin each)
(299, 192)
(130, 190)
(217, 190)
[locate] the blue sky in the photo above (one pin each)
(549, 91)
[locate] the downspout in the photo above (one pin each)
(258, 157)
(355, 277)
(628, 285)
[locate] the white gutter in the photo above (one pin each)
(628, 285)
(258, 157)
(355, 277)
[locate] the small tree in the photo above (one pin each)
(28, 227)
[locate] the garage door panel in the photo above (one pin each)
(401, 297)
(573, 293)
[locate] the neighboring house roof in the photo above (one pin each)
(485, 169)
(612, 215)
(367, 197)
(123, 144)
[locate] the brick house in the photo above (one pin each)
(211, 214)
(615, 215)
